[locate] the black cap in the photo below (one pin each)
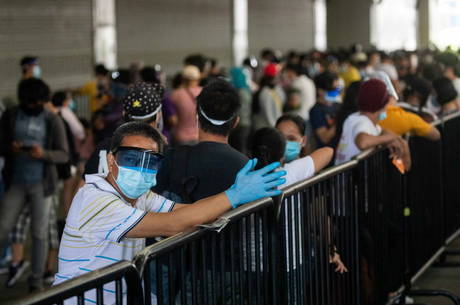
(28, 60)
(143, 101)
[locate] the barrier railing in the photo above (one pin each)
(89, 288)
(387, 227)
(228, 263)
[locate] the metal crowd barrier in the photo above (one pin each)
(387, 227)
(124, 274)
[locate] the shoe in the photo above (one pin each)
(15, 272)
(48, 277)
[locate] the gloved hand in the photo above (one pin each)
(252, 185)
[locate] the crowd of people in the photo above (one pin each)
(93, 189)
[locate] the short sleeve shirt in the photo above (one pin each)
(401, 122)
(94, 234)
(353, 126)
(298, 170)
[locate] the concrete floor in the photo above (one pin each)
(433, 278)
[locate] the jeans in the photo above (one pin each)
(15, 198)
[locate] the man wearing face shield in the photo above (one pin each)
(33, 141)
(111, 215)
(141, 103)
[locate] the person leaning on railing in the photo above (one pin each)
(269, 145)
(111, 216)
(361, 130)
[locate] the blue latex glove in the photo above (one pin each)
(252, 185)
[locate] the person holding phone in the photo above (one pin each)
(33, 141)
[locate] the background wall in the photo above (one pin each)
(348, 22)
(282, 25)
(165, 31)
(57, 31)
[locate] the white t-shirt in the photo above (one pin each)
(354, 125)
(307, 94)
(94, 234)
(298, 170)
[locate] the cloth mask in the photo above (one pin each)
(134, 183)
(382, 116)
(292, 150)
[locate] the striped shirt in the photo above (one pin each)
(94, 234)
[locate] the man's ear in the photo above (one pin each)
(237, 121)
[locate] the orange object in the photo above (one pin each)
(399, 165)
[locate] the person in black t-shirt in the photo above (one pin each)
(190, 173)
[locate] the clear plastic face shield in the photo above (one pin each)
(138, 159)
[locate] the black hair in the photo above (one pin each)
(349, 106)
(325, 80)
(136, 129)
(33, 91)
(100, 69)
(445, 90)
(219, 100)
(297, 69)
(267, 145)
(26, 61)
(58, 98)
(294, 118)
(417, 85)
(268, 54)
(196, 60)
(149, 75)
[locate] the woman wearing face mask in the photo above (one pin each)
(271, 145)
(285, 144)
(297, 163)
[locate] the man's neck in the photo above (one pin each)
(204, 136)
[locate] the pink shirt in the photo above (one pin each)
(185, 105)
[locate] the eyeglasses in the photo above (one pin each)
(139, 159)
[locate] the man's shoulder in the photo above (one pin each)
(217, 150)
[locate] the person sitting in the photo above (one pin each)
(111, 215)
(361, 130)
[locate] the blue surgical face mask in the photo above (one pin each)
(382, 116)
(292, 150)
(333, 96)
(134, 182)
(73, 105)
(37, 71)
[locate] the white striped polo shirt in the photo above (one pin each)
(94, 234)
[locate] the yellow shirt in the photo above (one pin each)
(401, 122)
(90, 90)
(350, 75)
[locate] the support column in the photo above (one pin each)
(423, 24)
(239, 31)
(348, 22)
